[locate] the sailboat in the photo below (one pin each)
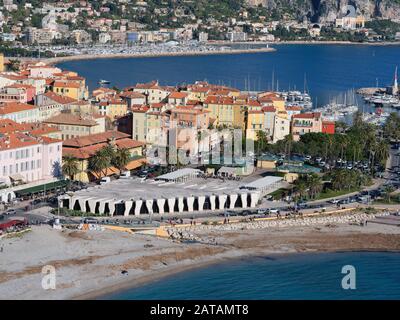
(101, 81)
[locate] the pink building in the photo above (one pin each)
(28, 158)
(22, 93)
(306, 123)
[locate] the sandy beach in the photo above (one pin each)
(89, 264)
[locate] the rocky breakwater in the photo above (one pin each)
(188, 233)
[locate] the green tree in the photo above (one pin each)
(70, 166)
(100, 162)
(121, 159)
(14, 64)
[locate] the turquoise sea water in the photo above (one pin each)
(330, 70)
(297, 276)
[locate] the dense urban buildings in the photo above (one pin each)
(55, 107)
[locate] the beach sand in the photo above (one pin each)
(89, 264)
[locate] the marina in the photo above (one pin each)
(388, 97)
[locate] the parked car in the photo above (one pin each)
(10, 212)
(105, 180)
(36, 201)
(262, 211)
(125, 175)
(302, 205)
(245, 213)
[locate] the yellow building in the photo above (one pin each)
(72, 126)
(84, 148)
(153, 125)
(198, 94)
(271, 99)
(139, 123)
(112, 108)
(267, 162)
(73, 89)
(226, 111)
(2, 62)
(81, 108)
(255, 123)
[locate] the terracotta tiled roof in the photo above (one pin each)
(96, 139)
(75, 148)
(17, 140)
(66, 84)
(59, 99)
(20, 86)
(35, 129)
(311, 115)
(71, 119)
(294, 108)
(139, 109)
(132, 95)
(268, 109)
(178, 95)
(12, 107)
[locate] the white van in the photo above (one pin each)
(105, 180)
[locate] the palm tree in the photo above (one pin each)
(14, 64)
(70, 166)
(301, 187)
(121, 158)
(339, 179)
(382, 152)
(315, 185)
(388, 191)
(100, 162)
(261, 139)
(108, 151)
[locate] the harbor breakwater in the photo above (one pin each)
(56, 60)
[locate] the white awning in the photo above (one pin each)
(262, 183)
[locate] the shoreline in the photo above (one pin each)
(104, 293)
(52, 61)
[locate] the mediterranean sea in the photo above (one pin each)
(295, 276)
(328, 72)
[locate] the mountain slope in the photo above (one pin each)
(328, 10)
